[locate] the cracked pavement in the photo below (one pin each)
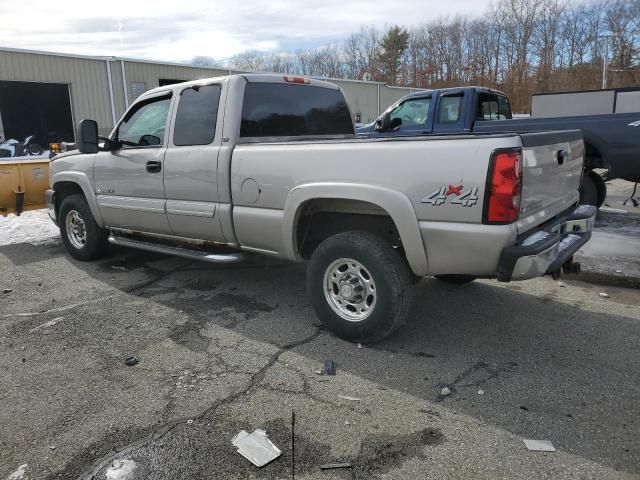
(225, 348)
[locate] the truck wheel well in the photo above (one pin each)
(320, 219)
(593, 157)
(63, 190)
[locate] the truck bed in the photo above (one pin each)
(416, 166)
(613, 140)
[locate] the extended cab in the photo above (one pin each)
(270, 164)
(611, 140)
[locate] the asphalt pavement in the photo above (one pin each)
(226, 348)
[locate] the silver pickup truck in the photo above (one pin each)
(214, 168)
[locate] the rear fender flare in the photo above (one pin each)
(395, 203)
(82, 180)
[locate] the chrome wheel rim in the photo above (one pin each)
(76, 230)
(350, 289)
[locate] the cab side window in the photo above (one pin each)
(449, 110)
(504, 108)
(492, 107)
(145, 124)
(197, 115)
(412, 112)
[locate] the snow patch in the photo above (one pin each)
(19, 474)
(120, 470)
(34, 227)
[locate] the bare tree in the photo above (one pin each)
(518, 46)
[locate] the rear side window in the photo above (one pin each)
(493, 107)
(449, 110)
(504, 108)
(284, 110)
(197, 115)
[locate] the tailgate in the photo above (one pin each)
(551, 175)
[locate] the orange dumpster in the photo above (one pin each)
(22, 185)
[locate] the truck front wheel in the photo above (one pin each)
(80, 233)
(359, 286)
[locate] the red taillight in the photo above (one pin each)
(289, 79)
(504, 187)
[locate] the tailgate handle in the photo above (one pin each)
(561, 156)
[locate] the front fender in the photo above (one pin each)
(395, 203)
(82, 180)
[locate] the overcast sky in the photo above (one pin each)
(179, 30)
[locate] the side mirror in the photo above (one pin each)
(149, 141)
(384, 122)
(88, 136)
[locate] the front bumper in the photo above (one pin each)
(549, 247)
(49, 200)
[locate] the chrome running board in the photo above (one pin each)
(201, 255)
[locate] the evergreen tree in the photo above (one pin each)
(392, 47)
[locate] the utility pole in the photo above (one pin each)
(605, 59)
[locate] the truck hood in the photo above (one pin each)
(365, 129)
(70, 153)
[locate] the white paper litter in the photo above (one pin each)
(351, 399)
(539, 445)
(256, 447)
(50, 323)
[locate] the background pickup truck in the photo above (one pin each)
(612, 141)
(271, 164)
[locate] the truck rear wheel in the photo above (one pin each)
(359, 286)
(593, 190)
(80, 233)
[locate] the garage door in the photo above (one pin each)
(32, 108)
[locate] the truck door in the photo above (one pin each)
(191, 163)
(412, 114)
(449, 116)
(128, 181)
(410, 117)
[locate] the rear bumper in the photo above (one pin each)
(549, 247)
(50, 203)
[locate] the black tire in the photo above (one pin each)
(589, 189)
(389, 276)
(601, 188)
(456, 279)
(95, 245)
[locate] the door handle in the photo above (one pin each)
(561, 156)
(154, 166)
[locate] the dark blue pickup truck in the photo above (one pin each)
(612, 141)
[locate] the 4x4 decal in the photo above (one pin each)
(466, 198)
